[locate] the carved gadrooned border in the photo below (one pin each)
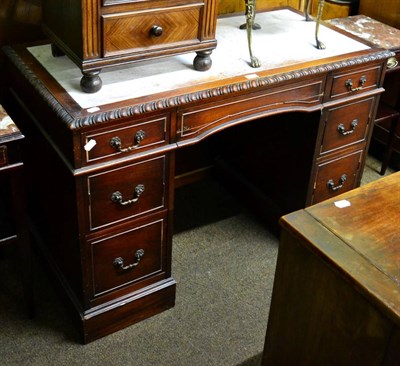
(180, 100)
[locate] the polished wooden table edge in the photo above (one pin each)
(75, 118)
(337, 255)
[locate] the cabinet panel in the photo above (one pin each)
(126, 192)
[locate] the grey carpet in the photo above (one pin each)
(223, 265)
(223, 262)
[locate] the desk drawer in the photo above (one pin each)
(132, 257)
(352, 83)
(336, 176)
(346, 125)
(126, 192)
(147, 30)
(125, 140)
(192, 122)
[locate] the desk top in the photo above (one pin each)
(358, 233)
(171, 82)
(285, 39)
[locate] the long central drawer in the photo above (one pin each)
(196, 121)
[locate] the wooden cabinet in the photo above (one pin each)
(336, 294)
(13, 210)
(102, 175)
(100, 33)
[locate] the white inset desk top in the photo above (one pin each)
(285, 39)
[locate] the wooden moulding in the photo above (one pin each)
(178, 100)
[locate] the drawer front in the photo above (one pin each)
(126, 192)
(192, 122)
(125, 140)
(336, 176)
(352, 83)
(131, 257)
(154, 29)
(346, 125)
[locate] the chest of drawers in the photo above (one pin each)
(103, 178)
(100, 33)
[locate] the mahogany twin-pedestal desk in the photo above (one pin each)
(103, 167)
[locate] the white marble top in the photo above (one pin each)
(285, 39)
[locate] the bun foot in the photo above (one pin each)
(202, 62)
(91, 82)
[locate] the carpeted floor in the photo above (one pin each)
(224, 267)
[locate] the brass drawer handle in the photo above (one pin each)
(117, 196)
(116, 143)
(343, 131)
(119, 262)
(156, 31)
(331, 184)
(392, 62)
(349, 84)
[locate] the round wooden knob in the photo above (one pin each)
(156, 30)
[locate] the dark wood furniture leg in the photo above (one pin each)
(23, 238)
(390, 143)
